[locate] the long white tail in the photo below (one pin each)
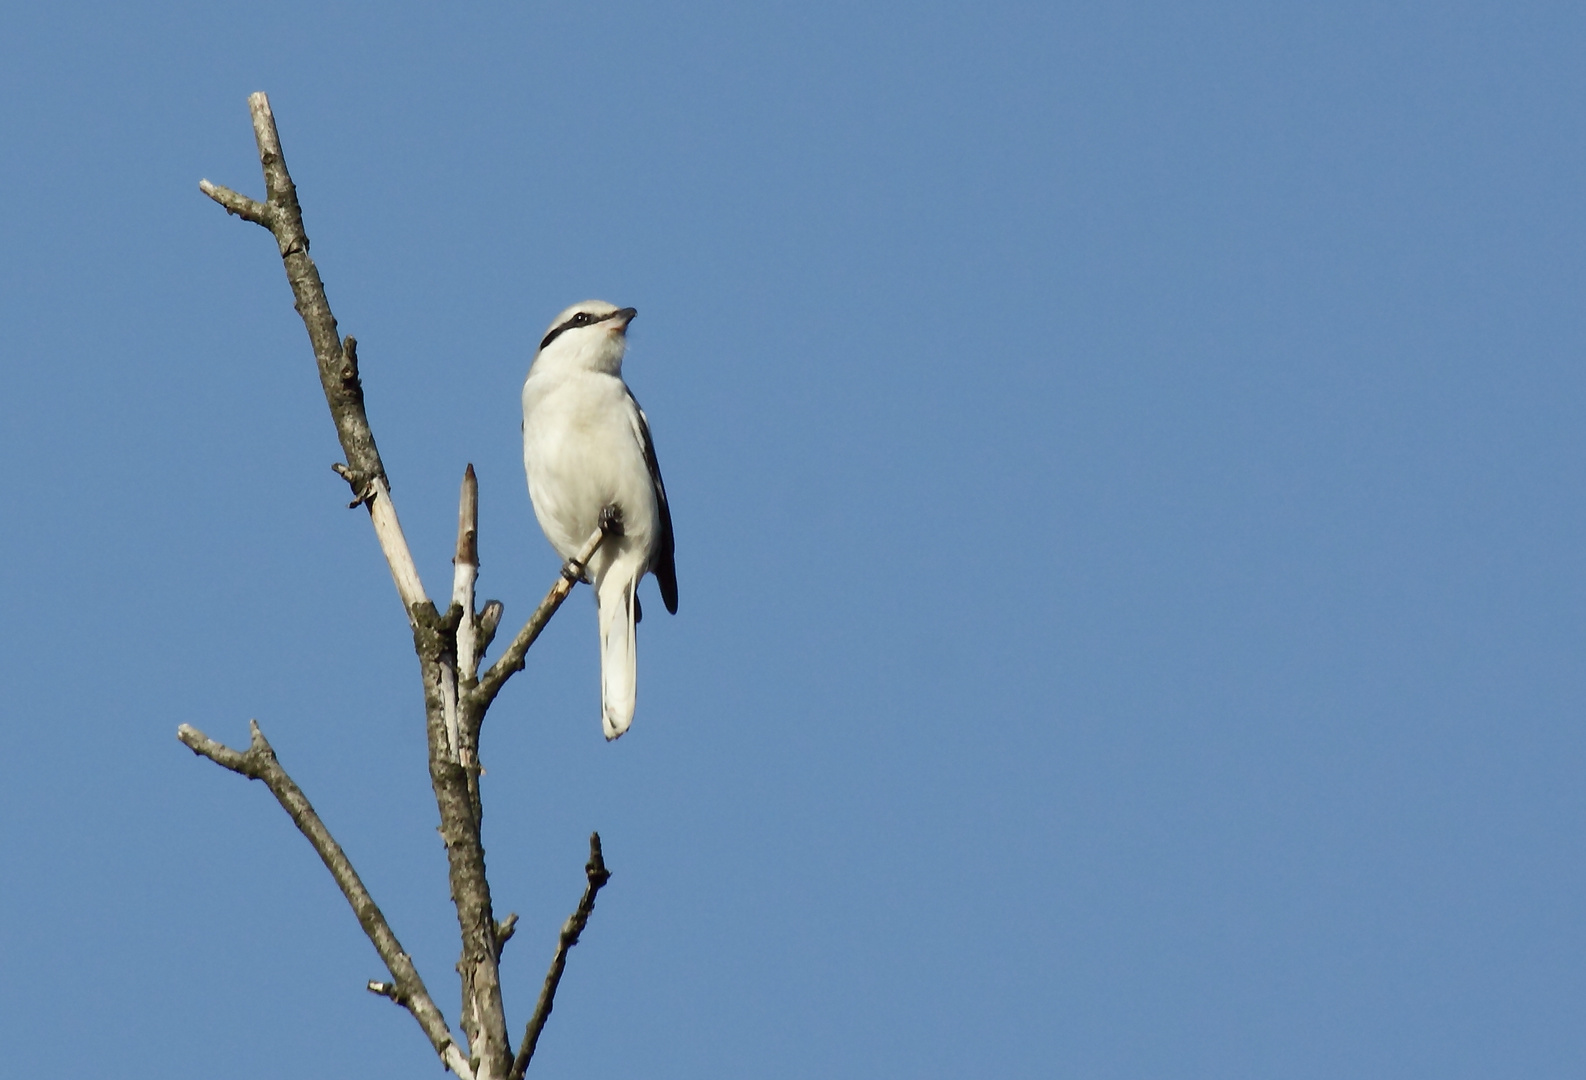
(618, 652)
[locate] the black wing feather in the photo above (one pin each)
(663, 565)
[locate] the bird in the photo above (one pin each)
(591, 464)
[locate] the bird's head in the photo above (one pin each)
(593, 335)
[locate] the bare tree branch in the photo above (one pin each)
(384, 989)
(259, 762)
(434, 635)
(448, 646)
(489, 621)
(490, 683)
(338, 363)
(597, 875)
(241, 205)
(457, 798)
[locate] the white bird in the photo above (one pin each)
(586, 447)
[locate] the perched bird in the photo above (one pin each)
(587, 450)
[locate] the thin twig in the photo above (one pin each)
(489, 621)
(511, 662)
(235, 203)
(259, 762)
(504, 931)
(596, 875)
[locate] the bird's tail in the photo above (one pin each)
(618, 652)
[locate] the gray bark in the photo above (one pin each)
(455, 700)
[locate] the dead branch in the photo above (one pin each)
(240, 205)
(597, 875)
(337, 361)
(449, 647)
(259, 762)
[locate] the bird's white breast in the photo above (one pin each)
(582, 452)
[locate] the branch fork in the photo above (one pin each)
(450, 648)
(259, 762)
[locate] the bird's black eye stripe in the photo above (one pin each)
(583, 318)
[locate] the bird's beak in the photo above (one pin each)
(623, 318)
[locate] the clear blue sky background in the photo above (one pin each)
(1126, 464)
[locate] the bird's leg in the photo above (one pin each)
(611, 520)
(610, 524)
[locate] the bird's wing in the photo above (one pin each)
(662, 565)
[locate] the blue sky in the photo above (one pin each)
(1125, 464)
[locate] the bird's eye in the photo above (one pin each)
(581, 319)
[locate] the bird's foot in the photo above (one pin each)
(611, 520)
